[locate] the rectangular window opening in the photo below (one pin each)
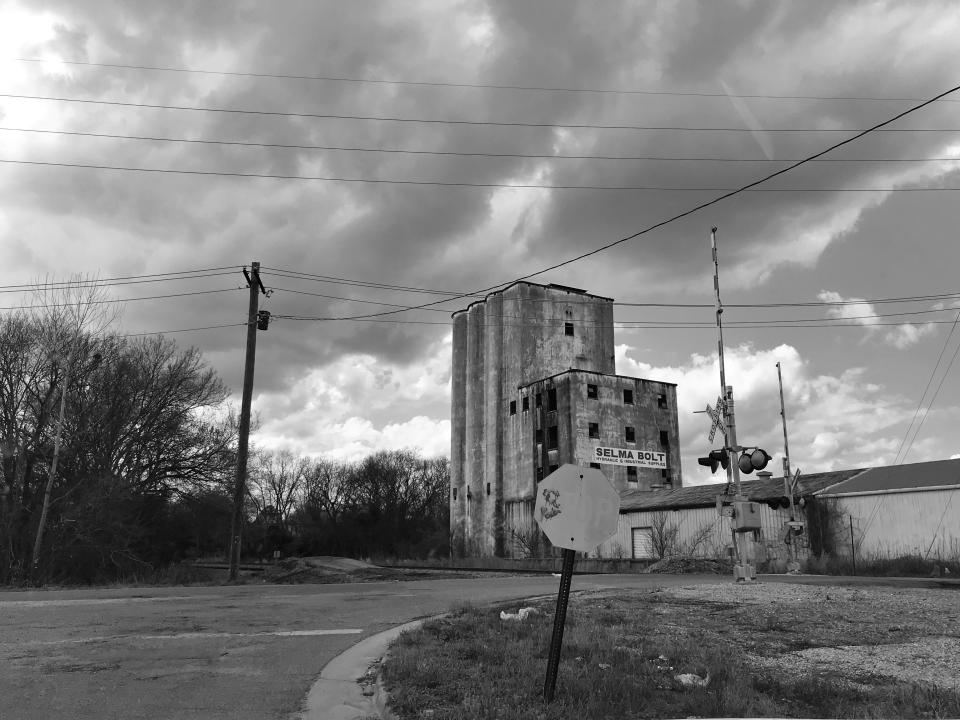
(553, 467)
(552, 400)
(454, 493)
(539, 474)
(526, 403)
(513, 407)
(665, 438)
(595, 466)
(631, 474)
(552, 437)
(538, 399)
(662, 400)
(539, 435)
(568, 329)
(488, 488)
(592, 392)
(593, 430)
(629, 434)
(628, 397)
(663, 474)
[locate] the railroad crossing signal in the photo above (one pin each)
(756, 460)
(717, 417)
(714, 459)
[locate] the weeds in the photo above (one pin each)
(621, 660)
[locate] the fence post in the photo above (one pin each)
(853, 549)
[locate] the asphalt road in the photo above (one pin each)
(249, 651)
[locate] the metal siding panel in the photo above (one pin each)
(922, 523)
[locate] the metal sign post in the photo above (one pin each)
(577, 509)
(559, 620)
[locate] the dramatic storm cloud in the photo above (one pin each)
(376, 155)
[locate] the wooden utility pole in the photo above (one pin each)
(240, 485)
(52, 472)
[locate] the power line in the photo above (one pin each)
(349, 299)
(123, 300)
(933, 373)
(704, 205)
(784, 321)
(448, 153)
(295, 274)
(624, 324)
(438, 121)
(168, 332)
(110, 282)
(437, 183)
(485, 86)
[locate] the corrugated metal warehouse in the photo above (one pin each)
(685, 521)
(900, 510)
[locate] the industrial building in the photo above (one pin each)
(868, 513)
(534, 386)
(894, 511)
(686, 522)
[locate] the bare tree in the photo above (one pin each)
(663, 535)
(277, 480)
(70, 313)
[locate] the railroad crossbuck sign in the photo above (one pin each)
(577, 507)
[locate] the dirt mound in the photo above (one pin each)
(690, 565)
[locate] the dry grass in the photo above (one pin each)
(473, 665)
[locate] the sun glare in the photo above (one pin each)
(54, 65)
(21, 31)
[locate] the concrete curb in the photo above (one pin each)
(338, 694)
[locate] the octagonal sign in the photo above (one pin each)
(577, 508)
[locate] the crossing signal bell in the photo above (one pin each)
(756, 460)
(714, 459)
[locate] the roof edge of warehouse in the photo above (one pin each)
(547, 286)
(592, 372)
(756, 490)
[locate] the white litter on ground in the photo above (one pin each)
(519, 615)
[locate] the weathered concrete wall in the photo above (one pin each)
(509, 339)
(458, 430)
(652, 412)
(490, 530)
(475, 435)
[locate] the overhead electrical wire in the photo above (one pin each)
(443, 121)
(624, 324)
(444, 153)
(484, 86)
(180, 330)
(87, 282)
(296, 274)
(784, 321)
(898, 459)
(439, 183)
(108, 301)
(693, 210)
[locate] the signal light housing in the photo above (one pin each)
(756, 460)
(714, 459)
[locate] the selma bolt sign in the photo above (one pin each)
(624, 456)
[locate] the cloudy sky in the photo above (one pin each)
(374, 155)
